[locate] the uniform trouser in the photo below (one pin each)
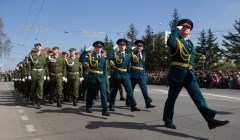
(84, 87)
(121, 89)
(37, 82)
(143, 86)
(91, 92)
(73, 86)
(195, 94)
(55, 85)
(128, 88)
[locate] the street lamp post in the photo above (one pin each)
(203, 60)
(153, 40)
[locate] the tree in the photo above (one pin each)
(132, 34)
(148, 48)
(213, 52)
(160, 54)
(201, 51)
(5, 42)
(232, 44)
(108, 43)
(175, 20)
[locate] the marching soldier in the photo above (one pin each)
(74, 74)
(181, 74)
(84, 83)
(121, 74)
(57, 74)
(66, 93)
(37, 67)
(138, 75)
(96, 76)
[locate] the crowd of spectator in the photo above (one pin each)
(206, 79)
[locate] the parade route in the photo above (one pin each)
(21, 121)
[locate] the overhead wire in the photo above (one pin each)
(35, 19)
(25, 23)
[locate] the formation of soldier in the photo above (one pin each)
(63, 74)
(68, 77)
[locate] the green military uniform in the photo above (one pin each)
(38, 70)
(74, 73)
(96, 77)
(57, 72)
(84, 84)
(121, 75)
(181, 74)
(138, 75)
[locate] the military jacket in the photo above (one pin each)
(137, 65)
(37, 62)
(95, 65)
(182, 52)
(56, 66)
(73, 66)
(121, 64)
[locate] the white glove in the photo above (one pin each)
(26, 77)
(109, 77)
(23, 80)
(44, 77)
(89, 48)
(64, 79)
(112, 63)
(179, 27)
(81, 79)
(48, 78)
(13, 79)
(115, 47)
(29, 77)
(133, 47)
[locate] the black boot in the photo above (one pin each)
(75, 101)
(213, 123)
(33, 101)
(105, 113)
(59, 102)
(133, 109)
(122, 98)
(51, 100)
(38, 104)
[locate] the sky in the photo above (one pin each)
(78, 23)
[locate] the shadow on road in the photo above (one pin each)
(138, 126)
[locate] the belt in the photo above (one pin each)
(37, 69)
(56, 74)
(119, 69)
(136, 67)
(95, 71)
(73, 72)
(182, 65)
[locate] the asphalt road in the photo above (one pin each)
(21, 121)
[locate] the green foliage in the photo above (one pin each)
(108, 43)
(5, 43)
(208, 52)
(132, 35)
(175, 20)
(232, 44)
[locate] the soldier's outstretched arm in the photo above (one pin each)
(171, 42)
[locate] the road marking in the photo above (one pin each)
(17, 106)
(30, 128)
(24, 118)
(166, 92)
(20, 111)
(220, 97)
